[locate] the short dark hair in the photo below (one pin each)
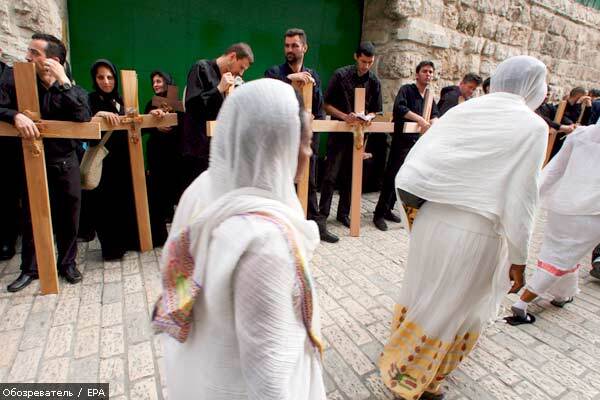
(577, 90)
(472, 77)
(594, 93)
(54, 47)
(296, 32)
(486, 83)
(365, 49)
(424, 64)
(241, 50)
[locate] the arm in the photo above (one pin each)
(318, 108)
(375, 101)
(75, 100)
(200, 97)
(270, 333)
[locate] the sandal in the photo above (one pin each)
(561, 303)
(515, 320)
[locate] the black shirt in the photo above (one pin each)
(595, 113)
(68, 105)
(202, 103)
(280, 72)
(572, 113)
(340, 92)
(409, 99)
(448, 98)
(548, 112)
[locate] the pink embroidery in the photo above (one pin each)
(555, 271)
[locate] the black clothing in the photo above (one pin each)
(163, 174)
(62, 169)
(572, 112)
(338, 164)
(449, 97)
(11, 174)
(202, 103)
(595, 112)
(407, 99)
(548, 112)
(280, 72)
(112, 203)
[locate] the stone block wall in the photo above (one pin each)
(19, 19)
(462, 36)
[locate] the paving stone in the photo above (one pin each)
(144, 390)
(84, 370)
(350, 326)
(138, 327)
(91, 293)
(495, 366)
(87, 342)
(15, 316)
(112, 341)
(112, 293)
(45, 303)
(36, 330)
(344, 377)
(10, 346)
(537, 377)
(353, 356)
(25, 365)
(497, 389)
(112, 314)
(89, 315)
(55, 370)
(59, 341)
(135, 303)
(66, 311)
(561, 374)
(112, 371)
(141, 363)
(132, 283)
(528, 391)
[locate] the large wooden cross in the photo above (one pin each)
(413, 127)
(171, 103)
(341, 127)
(35, 168)
(560, 111)
(133, 122)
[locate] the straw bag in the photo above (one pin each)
(91, 164)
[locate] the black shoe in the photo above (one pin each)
(380, 224)
(561, 303)
(390, 216)
(6, 252)
(595, 272)
(344, 219)
(21, 282)
(432, 396)
(113, 256)
(71, 274)
(325, 235)
(86, 237)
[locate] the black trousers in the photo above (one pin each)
(338, 169)
(11, 176)
(64, 186)
(401, 145)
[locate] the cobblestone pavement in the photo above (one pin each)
(98, 331)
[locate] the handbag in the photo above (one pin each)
(91, 163)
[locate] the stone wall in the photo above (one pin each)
(19, 19)
(463, 36)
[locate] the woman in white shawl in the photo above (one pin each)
(477, 168)
(570, 192)
(238, 302)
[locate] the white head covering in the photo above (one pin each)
(253, 161)
(485, 155)
(522, 75)
(571, 182)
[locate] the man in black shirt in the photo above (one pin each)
(595, 111)
(450, 95)
(339, 103)
(548, 112)
(293, 69)
(59, 100)
(11, 176)
(207, 83)
(408, 106)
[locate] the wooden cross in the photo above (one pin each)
(133, 122)
(211, 125)
(560, 111)
(171, 103)
(413, 127)
(341, 127)
(35, 168)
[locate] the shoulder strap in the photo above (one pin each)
(105, 138)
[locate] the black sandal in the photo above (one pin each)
(561, 303)
(515, 320)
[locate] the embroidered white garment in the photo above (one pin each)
(248, 339)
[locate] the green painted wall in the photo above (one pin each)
(171, 35)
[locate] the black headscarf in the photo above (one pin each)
(167, 78)
(101, 101)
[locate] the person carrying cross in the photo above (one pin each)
(59, 99)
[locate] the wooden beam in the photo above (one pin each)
(413, 127)
(144, 121)
(136, 158)
(560, 112)
(306, 90)
(58, 129)
(333, 126)
(357, 165)
(37, 182)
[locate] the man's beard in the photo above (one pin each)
(291, 58)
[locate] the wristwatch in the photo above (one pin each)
(65, 86)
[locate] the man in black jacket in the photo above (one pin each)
(59, 100)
